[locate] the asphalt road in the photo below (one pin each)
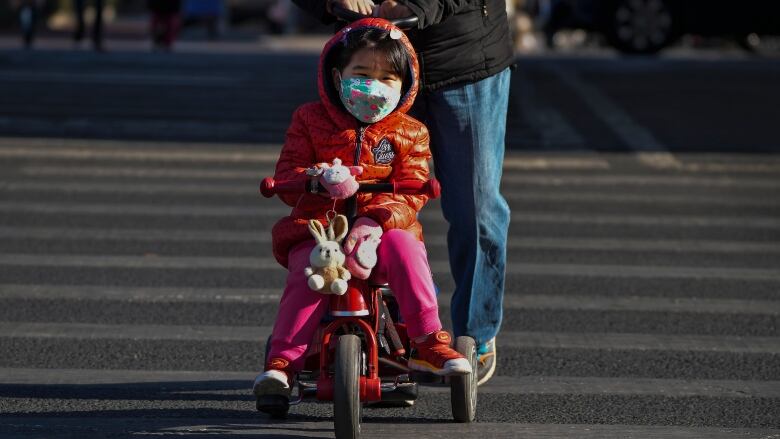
(137, 286)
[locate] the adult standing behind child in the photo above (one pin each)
(465, 52)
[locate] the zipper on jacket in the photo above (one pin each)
(484, 8)
(351, 204)
(359, 144)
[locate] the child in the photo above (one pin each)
(368, 79)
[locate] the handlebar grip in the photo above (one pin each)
(270, 187)
(431, 188)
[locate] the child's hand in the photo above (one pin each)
(360, 247)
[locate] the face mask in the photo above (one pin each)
(369, 100)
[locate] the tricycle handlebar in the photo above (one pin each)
(270, 187)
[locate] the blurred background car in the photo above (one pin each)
(648, 26)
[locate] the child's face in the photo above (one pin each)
(368, 63)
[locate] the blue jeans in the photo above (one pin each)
(467, 124)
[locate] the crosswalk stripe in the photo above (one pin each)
(637, 303)
(517, 340)
(146, 172)
(65, 149)
(501, 384)
(510, 177)
(146, 294)
(619, 121)
(142, 235)
(188, 422)
(433, 238)
(641, 342)
(122, 78)
(709, 246)
(134, 331)
(753, 221)
(638, 180)
(511, 301)
(113, 209)
(185, 156)
(723, 200)
(251, 189)
(438, 266)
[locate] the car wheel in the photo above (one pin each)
(760, 44)
(640, 26)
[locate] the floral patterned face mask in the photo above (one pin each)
(369, 100)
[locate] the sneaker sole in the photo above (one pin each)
(489, 373)
(424, 366)
(271, 387)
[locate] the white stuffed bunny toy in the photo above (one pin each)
(327, 273)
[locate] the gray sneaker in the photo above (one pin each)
(486, 361)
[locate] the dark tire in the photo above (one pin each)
(759, 45)
(346, 388)
(463, 388)
(267, 350)
(640, 26)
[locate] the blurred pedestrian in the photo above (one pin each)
(165, 22)
(209, 12)
(465, 52)
(97, 23)
(28, 12)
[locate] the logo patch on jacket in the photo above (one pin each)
(383, 152)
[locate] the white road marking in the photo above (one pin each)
(250, 188)
(630, 133)
(511, 301)
(140, 294)
(434, 238)
(533, 385)
(515, 340)
(642, 180)
(146, 172)
(279, 210)
(122, 78)
(438, 266)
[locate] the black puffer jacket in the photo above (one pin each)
(457, 41)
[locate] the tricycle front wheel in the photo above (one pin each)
(463, 388)
(346, 388)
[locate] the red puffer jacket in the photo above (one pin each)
(395, 148)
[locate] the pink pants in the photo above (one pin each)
(402, 264)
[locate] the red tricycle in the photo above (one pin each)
(360, 352)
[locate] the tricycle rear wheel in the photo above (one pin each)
(346, 387)
(463, 388)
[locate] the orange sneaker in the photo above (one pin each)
(435, 355)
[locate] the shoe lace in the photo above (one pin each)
(483, 359)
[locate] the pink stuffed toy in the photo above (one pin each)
(339, 180)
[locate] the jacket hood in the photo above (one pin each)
(330, 96)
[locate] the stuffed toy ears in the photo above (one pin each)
(337, 229)
(317, 231)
